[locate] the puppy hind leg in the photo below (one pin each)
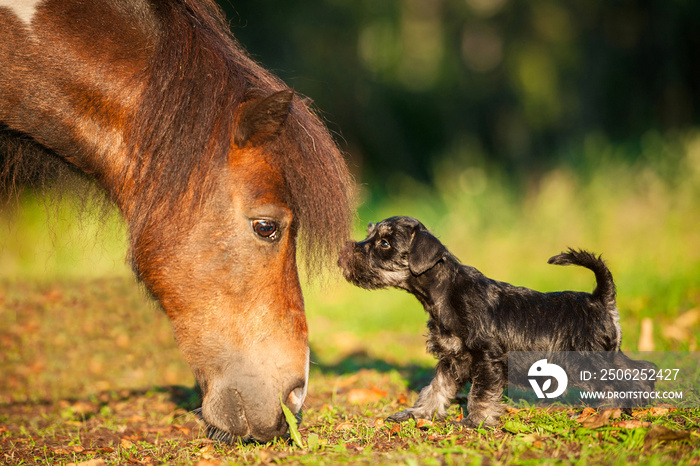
(637, 386)
(484, 403)
(434, 399)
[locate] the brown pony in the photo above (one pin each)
(215, 164)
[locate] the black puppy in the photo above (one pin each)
(475, 321)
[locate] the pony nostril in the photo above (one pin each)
(296, 398)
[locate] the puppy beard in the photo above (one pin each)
(373, 279)
(358, 271)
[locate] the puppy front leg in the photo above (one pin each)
(434, 399)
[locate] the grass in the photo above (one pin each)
(115, 428)
(90, 370)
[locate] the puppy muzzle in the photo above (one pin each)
(357, 269)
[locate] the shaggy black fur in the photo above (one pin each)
(474, 320)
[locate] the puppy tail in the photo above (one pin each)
(605, 289)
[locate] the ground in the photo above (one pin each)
(109, 387)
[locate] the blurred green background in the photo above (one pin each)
(512, 129)
(519, 85)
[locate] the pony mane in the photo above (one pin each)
(185, 122)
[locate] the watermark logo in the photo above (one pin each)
(541, 369)
(611, 378)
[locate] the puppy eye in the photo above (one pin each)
(266, 229)
(384, 244)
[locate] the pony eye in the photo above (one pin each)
(266, 229)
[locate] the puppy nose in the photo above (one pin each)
(345, 254)
(366, 245)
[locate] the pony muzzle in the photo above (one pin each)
(247, 407)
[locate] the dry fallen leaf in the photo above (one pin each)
(84, 408)
(659, 433)
(379, 423)
(365, 395)
(207, 463)
(344, 426)
(423, 423)
(631, 424)
(351, 380)
(661, 410)
(402, 400)
(587, 412)
(598, 420)
(92, 462)
(61, 451)
(183, 429)
(395, 429)
(126, 444)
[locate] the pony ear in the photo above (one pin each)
(425, 251)
(261, 119)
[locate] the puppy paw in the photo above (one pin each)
(478, 421)
(401, 416)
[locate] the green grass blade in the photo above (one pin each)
(292, 423)
(313, 442)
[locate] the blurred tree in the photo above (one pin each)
(407, 81)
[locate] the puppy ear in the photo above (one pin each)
(425, 251)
